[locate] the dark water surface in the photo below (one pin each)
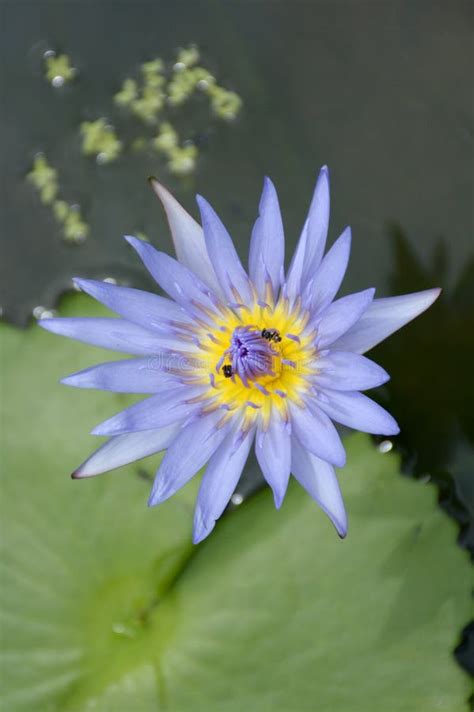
(380, 91)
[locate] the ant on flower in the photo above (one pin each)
(271, 335)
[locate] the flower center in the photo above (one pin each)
(251, 355)
(258, 357)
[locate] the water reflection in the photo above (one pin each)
(431, 390)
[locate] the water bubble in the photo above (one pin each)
(40, 312)
(179, 66)
(58, 81)
(385, 446)
(237, 499)
(110, 280)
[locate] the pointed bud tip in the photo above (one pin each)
(158, 188)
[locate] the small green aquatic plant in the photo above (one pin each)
(100, 140)
(153, 97)
(58, 68)
(145, 100)
(181, 159)
(45, 179)
(158, 89)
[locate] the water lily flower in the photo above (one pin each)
(234, 357)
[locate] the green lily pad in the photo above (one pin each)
(107, 606)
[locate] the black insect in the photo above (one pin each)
(227, 370)
(271, 335)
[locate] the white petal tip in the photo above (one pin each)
(160, 191)
(83, 473)
(436, 291)
(324, 173)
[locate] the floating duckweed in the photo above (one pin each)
(225, 104)
(153, 72)
(145, 102)
(99, 139)
(75, 229)
(188, 56)
(58, 68)
(60, 210)
(181, 159)
(149, 105)
(167, 139)
(45, 179)
(148, 97)
(127, 93)
(184, 83)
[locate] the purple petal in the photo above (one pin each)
(317, 434)
(320, 481)
(358, 411)
(123, 449)
(295, 270)
(188, 238)
(273, 451)
(224, 258)
(345, 371)
(187, 454)
(341, 315)
(154, 412)
(311, 244)
(267, 246)
(318, 223)
(383, 317)
(144, 375)
(219, 482)
(328, 277)
(174, 278)
(115, 334)
(143, 308)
